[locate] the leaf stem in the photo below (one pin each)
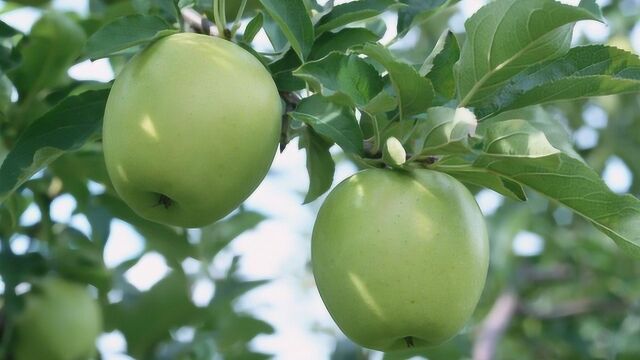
(217, 18)
(376, 134)
(236, 23)
(223, 12)
(179, 15)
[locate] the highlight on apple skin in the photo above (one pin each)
(190, 129)
(400, 258)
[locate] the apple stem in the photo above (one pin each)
(409, 341)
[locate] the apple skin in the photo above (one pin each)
(190, 129)
(400, 258)
(60, 321)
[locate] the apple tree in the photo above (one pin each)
(436, 109)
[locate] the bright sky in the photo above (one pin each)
(279, 248)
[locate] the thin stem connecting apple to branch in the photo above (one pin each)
(198, 22)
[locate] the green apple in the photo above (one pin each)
(400, 258)
(60, 321)
(190, 129)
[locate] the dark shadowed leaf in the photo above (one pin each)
(51, 47)
(439, 68)
(331, 120)
(66, 127)
(418, 11)
(6, 30)
(126, 32)
(293, 19)
(9, 59)
(414, 92)
(218, 235)
(253, 27)
(341, 41)
(584, 71)
(347, 78)
(350, 12)
(320, 165)
(146, 318)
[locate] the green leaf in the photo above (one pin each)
(5, 99)
(100, 220)
(584, 71)
(171, 242)
(445, 131)
(253, 27)
(53, 44)
(516, 138)
(377, 26)
(10, 212)
(237, 329)
(438, 48)
(281, 70)
(82, 166)
(19, 268)
(232, 287)
(418, 11)
(320, 165)
(218, 235)
(277, 38)
(126, 32)
(383, 102)
(75, 170)
(462, 169)
(147, 318)
(76, 257)
(508, 36)
(264, 60)
(7, 31)
(350, 12)
(9, 59)
(414, 92)
(347, 78)
(66, 127)
(333, 121)
(293, 19)
(341, 41)
(518, 151)
(556, 133)
(167, 9)
(439, 68)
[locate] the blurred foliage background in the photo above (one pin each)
(557, 288)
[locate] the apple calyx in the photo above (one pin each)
(164, 200)
(409, 341)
